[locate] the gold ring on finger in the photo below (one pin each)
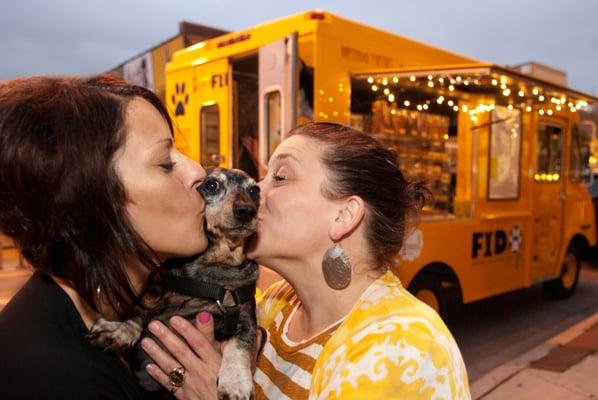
(176, 377)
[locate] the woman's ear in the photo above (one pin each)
(349, 215)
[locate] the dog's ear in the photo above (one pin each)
(350, 213)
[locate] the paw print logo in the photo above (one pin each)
(179, 99)
(516, 239)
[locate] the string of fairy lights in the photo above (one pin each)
(514, 94)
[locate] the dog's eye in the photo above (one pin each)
(254, 192)
(212, 186)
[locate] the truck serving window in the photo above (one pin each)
(210, 142)
(424, 137)
(549, 152)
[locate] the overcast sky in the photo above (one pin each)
(90, 36)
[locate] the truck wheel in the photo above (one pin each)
(428, 288)
(564, 286)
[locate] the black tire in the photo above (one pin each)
(428, 287)
(565, 285)
(592, 256)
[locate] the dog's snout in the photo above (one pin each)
(244, 212)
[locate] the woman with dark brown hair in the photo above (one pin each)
(334, 212)
(96, 195)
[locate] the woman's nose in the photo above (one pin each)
(194, 173)
(263, 188)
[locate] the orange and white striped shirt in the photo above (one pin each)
(284, 366)
(389, 346)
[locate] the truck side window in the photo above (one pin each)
(549, 152)
(579, 169)
(505, 151)
(273, 121)
(210, 136)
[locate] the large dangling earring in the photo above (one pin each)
(336, 267)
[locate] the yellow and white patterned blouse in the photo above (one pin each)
(389, 346)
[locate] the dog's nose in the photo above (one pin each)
(244, 212)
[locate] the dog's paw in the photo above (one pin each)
(235, 384)
(115, 335)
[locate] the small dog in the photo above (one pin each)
(221, 280)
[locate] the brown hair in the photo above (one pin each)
(60, 197)
(359, 165)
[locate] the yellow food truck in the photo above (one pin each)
(501, 151)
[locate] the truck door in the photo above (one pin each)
(278, 85)
(211, 92)
(549, 196)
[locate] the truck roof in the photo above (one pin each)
(303, 23)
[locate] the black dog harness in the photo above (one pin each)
(212, 291)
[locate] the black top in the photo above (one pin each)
(44, 353)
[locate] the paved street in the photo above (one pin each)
(493, 331)
(11, 277)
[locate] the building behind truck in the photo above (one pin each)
(147, 68)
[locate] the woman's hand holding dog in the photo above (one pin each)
(199, 355)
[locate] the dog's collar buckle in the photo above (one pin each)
(216, 293)
(221, 307)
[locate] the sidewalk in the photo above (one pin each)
(565, 367)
